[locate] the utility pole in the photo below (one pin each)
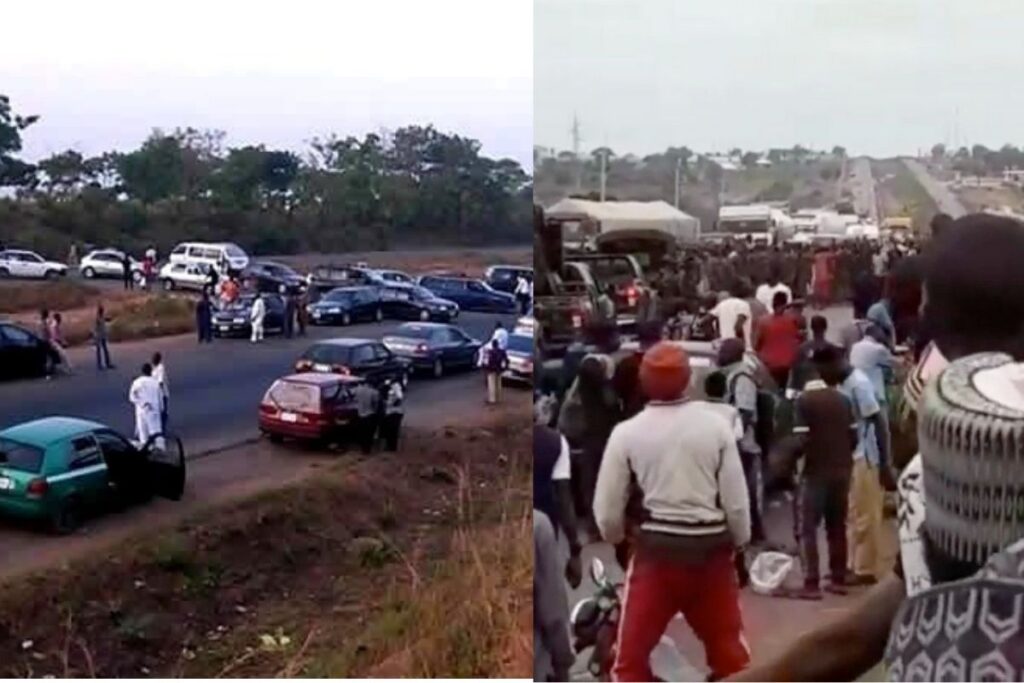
(679, 166)
(576, 151)
(604, 171)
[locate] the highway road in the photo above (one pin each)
(940, 193)
(215, 389)
(862, 185)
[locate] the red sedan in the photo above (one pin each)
(315, 406)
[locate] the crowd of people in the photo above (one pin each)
(919, 392)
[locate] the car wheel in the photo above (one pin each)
(49, 365)
(379, 315)
(4, 273)
(438, 369)
(67, 518)
(346, 319)
(275, 438)
(168, 284)
(52, 274)
(424, 315)
(88, 273)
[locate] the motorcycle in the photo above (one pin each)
(595, 624)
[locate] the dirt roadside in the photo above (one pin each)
(362, 569)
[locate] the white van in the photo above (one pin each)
(210, 254)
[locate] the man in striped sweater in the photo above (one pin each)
(684, 458)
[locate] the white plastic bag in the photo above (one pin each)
(769, 571)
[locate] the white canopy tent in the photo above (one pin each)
(657, 218)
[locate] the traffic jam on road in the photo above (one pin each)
(339, 391)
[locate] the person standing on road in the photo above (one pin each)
(495, 364)
(160, 375)
(302, 300)
(204, 318)
(500, 335)
(367, 408)
(870, 469)
(147, 397)
(126, 271)
(58, 342)
(734, 317)
(99, 338)
(778, 340)
(392, 410)
(256, 317)
(683, 457)
(289, 312)
(804, 370)
(552, 492)
(522, 293)
(826, 435)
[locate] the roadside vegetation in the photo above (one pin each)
(416, 564)
(901, 194)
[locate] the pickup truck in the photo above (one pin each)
(624, 274)
(564, 305)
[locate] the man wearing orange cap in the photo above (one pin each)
(696, 514)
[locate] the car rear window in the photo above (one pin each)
(414, 331)
(520, 343)
(21, 457)
(294, 396)
(328, 353)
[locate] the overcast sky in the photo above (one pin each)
(102, 74)
(880, 77)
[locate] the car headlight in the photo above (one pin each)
(334, 309)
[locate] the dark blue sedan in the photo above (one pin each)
(434, 347)
(469, 294)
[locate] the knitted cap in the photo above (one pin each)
(971, 434)
(665, 372)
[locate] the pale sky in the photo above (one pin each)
(880, 77)
(102, 74)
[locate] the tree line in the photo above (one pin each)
(979, 159)
(412, 186)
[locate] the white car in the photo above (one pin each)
(210, 254)
(184, 276)
(18, 263)
(107, 263)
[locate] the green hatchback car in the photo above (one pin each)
(58, 469)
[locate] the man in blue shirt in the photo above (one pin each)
(870, 466)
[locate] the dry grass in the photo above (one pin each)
(153, 317)
(22, 297)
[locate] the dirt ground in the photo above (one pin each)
(981, 198)
(359, 570)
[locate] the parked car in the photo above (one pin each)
(345, 305)
(324, 278)
(211, 254)
(28, 264)
(233, 320)
(366, 358)
(269, 276)
(520, 359)
(412, 302)
(59, 469)
(184, 276)
(469, 294)
(23, 354)
(314, 406)
(395, 276)
(434, 347)
(503, 278)
(107, 263)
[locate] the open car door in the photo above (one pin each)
(166, 466)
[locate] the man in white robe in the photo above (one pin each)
(258, 313)
(147, 397)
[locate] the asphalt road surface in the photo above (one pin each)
(862, 185)
(215, 389)
(940, 193)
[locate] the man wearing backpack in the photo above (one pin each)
(742, 393)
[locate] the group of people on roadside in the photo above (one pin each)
(670, 482)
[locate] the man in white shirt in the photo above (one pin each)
(256, 317)
(730, 310)
(147, 397)
(160, 375)
(522, 293)
(500, 335)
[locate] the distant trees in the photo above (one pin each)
(412, 185)
(981, 160)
